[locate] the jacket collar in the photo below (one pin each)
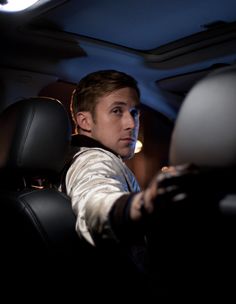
(79, 141)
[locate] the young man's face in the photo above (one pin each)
(116, 122)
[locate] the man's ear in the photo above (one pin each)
(84, 121)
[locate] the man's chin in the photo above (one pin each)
(127, 155)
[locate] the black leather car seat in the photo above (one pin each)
(34, 139)
(38, 238)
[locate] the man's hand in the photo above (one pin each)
(171, 186)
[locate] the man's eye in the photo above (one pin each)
(117, 110)
(135, 112)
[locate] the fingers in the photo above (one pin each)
(169, 195)
(172, 186)
(181, 176)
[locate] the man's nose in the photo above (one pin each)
(129, 121)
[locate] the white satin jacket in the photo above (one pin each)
(94, 181)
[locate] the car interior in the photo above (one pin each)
(182, 54)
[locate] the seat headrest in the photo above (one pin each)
(205, 129)
(35, 134)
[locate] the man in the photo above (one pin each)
(105, 108)
(106, 197)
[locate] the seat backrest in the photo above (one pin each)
(34, 139)
(205, 135)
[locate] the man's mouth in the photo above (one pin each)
(128, 139)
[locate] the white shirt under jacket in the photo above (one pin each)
(94, 181)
